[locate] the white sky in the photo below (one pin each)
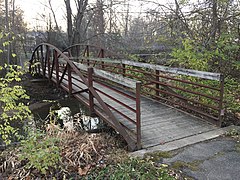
(33, 8)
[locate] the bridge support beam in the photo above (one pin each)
(157, 85)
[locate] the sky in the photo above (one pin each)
(33, 8)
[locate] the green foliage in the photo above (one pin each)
(40, 151)
(12, 108)
(191, 56)
(231, 95)
(220, 58)
(232, 132)
(132, 169)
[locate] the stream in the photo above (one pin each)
(70, 109)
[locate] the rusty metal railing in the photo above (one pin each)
(80, 80)
(198, 92)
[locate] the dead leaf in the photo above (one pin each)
(84, 171)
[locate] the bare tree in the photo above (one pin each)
(8, 31)
(69, 21)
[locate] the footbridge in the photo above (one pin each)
(147, 104)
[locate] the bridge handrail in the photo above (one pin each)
(127, 82)
(161, 78)
(180, 71)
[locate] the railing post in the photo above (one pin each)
(42, 61)
(138, 113)
(38, 57)
(48, 62)
(123, 69)
(35, 67)
(77, 51)
(87, 51)
(221, 110)
(69, 69)
(157, 85)
(55, 56)
(90, 84)
(102, 56)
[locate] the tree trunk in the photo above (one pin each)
(69, 22)
(8, 31)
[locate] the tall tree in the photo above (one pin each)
(7, 31)
(69, 21)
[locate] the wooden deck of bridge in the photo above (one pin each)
(160, 123)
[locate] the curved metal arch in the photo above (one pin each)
(106, 51)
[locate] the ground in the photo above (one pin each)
(213, 159)
(217, 159)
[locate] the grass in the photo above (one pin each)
(235, 134)
(190, 165)
(157, 156)
(132, 168)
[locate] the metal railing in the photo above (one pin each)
(198, 92)
(78, 79)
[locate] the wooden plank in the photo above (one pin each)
(182, 127)
(107, 60)
(127, 82)
(169, 125)
(180, 71)
(168, 136)
(158, 113)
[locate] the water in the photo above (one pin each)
(79, 114)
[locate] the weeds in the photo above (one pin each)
(132, 168)
(75, 155)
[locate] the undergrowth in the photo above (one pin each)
(57, 154)
(132, 168)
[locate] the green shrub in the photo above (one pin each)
(215, 59)
(40, 151)
(12, 108)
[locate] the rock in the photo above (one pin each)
(38, 105)
(64, 114)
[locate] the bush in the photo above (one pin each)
(12, 109)
(215, 59)
(40, 151)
